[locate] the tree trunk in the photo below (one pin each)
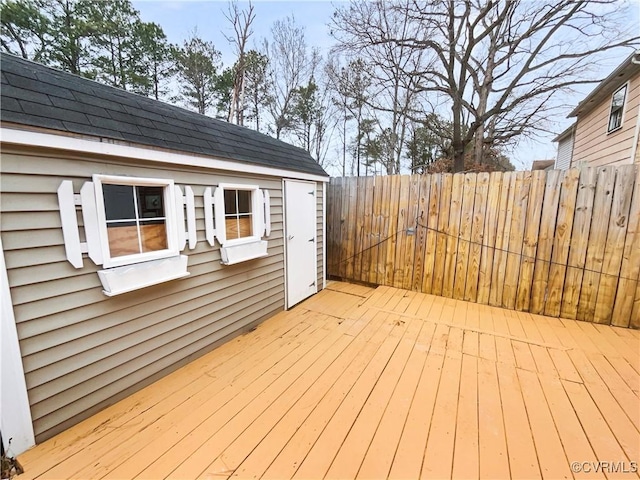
(478, 145)
(457, 143)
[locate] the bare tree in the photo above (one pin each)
(241, 22)
(289, 66)
(257, 85)
(351, 85)
(387, 63)
(502, 64)
(340, 100)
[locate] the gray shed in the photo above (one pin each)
(136, 236)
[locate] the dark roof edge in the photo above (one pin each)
(565, 132)
(628, 61)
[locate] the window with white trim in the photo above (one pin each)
(238, 213)
(617, 109)
(241, 219)
(136, 219)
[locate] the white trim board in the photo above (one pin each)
(15, 416)
(73, 144)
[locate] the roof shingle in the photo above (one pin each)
(39, 96)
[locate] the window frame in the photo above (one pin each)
(257, 206)
(171, 226)
(624, 87)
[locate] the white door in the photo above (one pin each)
(300, 238)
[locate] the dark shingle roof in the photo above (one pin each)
(39, 96)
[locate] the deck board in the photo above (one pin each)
(358, 382)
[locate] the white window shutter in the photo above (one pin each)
(90, 219)
(70, 232)
(209, 225)
(218, 204)
(257, 201)
(267, 213)
(179, 199)
(191, 217)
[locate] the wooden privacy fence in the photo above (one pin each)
(558, 243)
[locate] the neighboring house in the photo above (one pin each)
(135, 236)
(565, 148)
(542, 165)
(607, 122)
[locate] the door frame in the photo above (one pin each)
(285, 235)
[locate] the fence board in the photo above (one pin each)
(421, 233)
(464, 235)
(390, 224)
(351, 226)
(441, 238)
(596, 246)
(635, 316)
(579, 242)
(477, 234)
(614, 247)
(392, 221)
(560, 243)
(435, 192)
(378, 194)
(502, 239)
(516, 235)
(410, 240)
(545, 240)
(489, 240)
(330, 220)
(630, 269)
(404, 204)
(530, 241)
(453, 230)
(359, 227)
(368, 240)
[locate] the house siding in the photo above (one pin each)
(82, 350)
(593, 146)
(565, 150)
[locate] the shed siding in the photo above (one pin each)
(82, 350)
(593, 146)
(565, 149)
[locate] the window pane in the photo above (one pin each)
(615, 120)
(231, 226)
(244, 201)
(118, 202)
(245, 226)
(123, 239)
(230, 202)
(150, 202)
(618, 98)
(153, 235)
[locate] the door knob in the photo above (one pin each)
(290, 237)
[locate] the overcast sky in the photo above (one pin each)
(178, 19)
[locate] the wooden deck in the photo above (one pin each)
(365, 383)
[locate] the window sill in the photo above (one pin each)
(241, 252)
(128, 278)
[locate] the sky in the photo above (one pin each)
(178, 18)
